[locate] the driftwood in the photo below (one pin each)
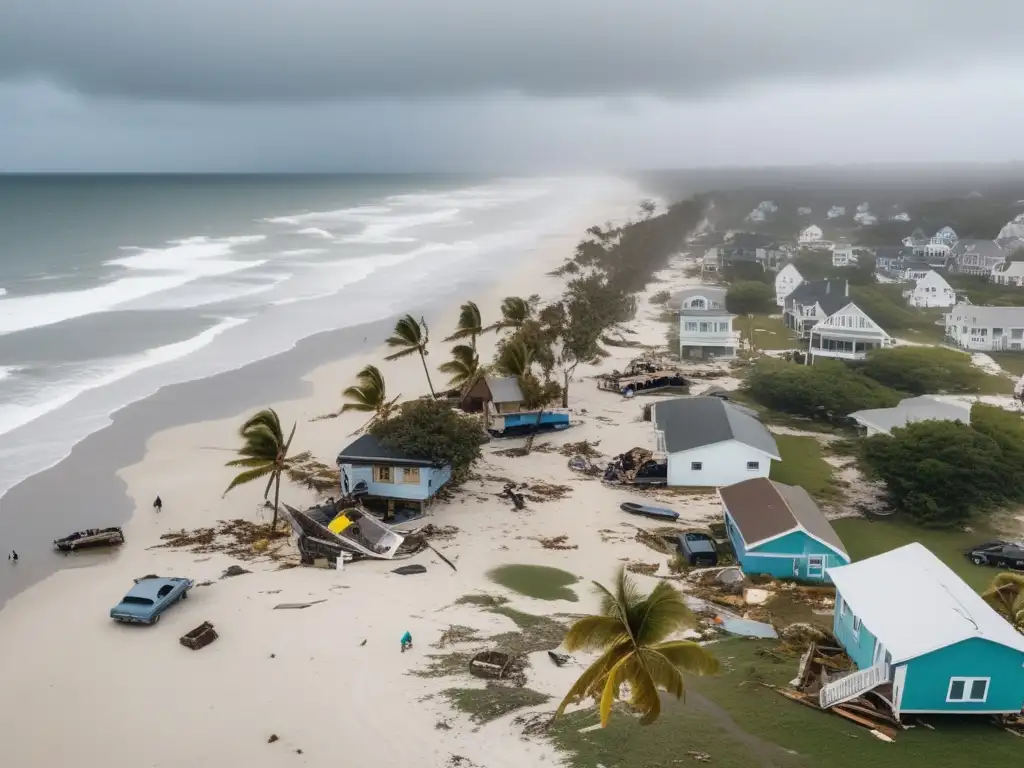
(491, 664)
(199, 637)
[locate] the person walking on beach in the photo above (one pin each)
(158, 505)
(406, 641)
(13, 557)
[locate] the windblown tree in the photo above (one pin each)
(410, 337)
(470, 324)
(264, 453)
(515, 311)
(370, 396)
(516, 359)
(464, 367)
(631, 632)
(1006, 595)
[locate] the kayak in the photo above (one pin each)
(644, 510)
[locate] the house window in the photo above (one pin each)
(703, 327)
(968, 689)
(841, 606)
(383, 475)
(856, 627)
(997, 331)
(691, 326)
(815, 566)
(752, 465)
(696, 466)
(411, 475)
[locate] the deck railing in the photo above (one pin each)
(852, 686)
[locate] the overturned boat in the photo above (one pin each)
(330, 531)
(645, 510)
(89, 539)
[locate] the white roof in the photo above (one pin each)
(923, 408)
(1012, 269)
(914, 604)
(933, 277)
(986, 317)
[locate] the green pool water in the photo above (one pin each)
(537, 581)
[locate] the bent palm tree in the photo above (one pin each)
(516, 359)
(631, 631)
(464, 367)
(515, 311)
(470, 324)
(411, 338)
(369, 396)
(264, 452)
(1006, 595)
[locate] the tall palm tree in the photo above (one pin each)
(464, 367)
(515, 311)
(470, 324)
(1006, 595)
(516, 359)
(369, 396)
(631, 631)
(411, 338)
(264, 452)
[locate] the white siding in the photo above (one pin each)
(721, 464)
(785, 282)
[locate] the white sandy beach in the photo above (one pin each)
(80, 689)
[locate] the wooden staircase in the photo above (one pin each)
(853, 685)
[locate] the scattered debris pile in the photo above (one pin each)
(584, 448)
(642, 375)
(200, 637)
(430, 532)
(661, 540)
(495, 665)
(585, 466)
(646, 569)
(555, 542)
(541, 491)
(636, 467)
(241, 539)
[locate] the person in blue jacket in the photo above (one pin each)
(406, 641)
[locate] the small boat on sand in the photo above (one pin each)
(89, 538)
(661, 513)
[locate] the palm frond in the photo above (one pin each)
(408, 335)
(688, 656)
(663, 612)
(613, 681)
(250, 475)
(470, 323)
(251, 461)
(593, 677)
(593, 632)
(644, 697)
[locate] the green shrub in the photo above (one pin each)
(750, 298)
(922, 370)
(824, 390)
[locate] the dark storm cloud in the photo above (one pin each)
(302, 50)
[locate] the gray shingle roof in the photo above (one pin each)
(690, 422)
(504, 390)
(923, 408)
(987, 249)
(830, 294)
(368, 449)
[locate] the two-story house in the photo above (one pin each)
(888, 259)
(786, 280)
(977, 257)
(1009, 273)
(750, 248)
(811, 234)
(985, 329)
(843, 256)
(812, 301)
(846, 334)
(932, 290)
(705, 326)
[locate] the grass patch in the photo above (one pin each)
(1011, 362)
(539, 581)
(741, 724)
(802, 464)
(865, 538)
(486, 704)
(536, 633)
(769, 332)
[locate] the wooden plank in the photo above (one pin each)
(842, 712)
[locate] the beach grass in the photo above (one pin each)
(865, 538)
(1011, 362)
(538, 581)
(802, 464)
(737, 723)
(486, 704)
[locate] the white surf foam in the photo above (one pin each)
(104, 372)
(316, 232)
(164, 268)
(3, 291)
(7, 371)
(339, 215)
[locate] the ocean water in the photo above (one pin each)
(113, 286)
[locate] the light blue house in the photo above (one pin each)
(381, 476)
(777, 530)
(923, 639)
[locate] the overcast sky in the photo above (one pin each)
(497, 85)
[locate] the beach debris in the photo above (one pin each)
(510, 493)
(234, 570)
(494, 665)
(586, 449)
(584, 466)
(459, 761)
(200, 637)
(433, 549)
(540, 491)
(444, 532)
(748, 628)
(205, 584)
(442, 725)
(273, 737)
(409, 570)
(87, 539)
(333, 531)
(297, 606)
(534, 724)
(661, 540)
(636, 467)
(362, 643)
(273, 655)
(559, 659)
(753, 596)
(646, 569)
(457, 633)
(555, 542)
(232, 537)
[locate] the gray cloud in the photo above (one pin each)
(309, 50)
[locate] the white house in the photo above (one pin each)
(947, 235)
(789, 277)
(711, 443)
(977, 257)
(836, 211)
(1009, 273)
(705, 327)
(986, 329)
(847, 334)
(882, 421)
(804, 211)
(931, 290)
(812, 301)
(843, 256)
(812, 234)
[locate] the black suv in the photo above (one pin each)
(1000, 554)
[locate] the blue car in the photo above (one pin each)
(151, 596)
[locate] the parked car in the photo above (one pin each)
(149, 598)
(698, 548)
(999, 554)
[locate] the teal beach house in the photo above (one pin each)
(923, 639)
(777, 530)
